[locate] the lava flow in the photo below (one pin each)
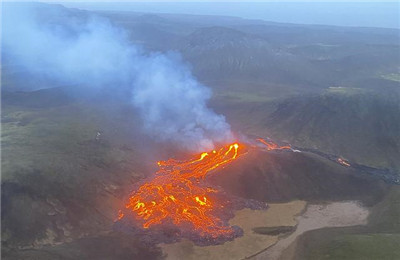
(177, 194)
(343, 162)
(273, 146)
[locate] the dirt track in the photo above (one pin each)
(337, 214)
(250, 243)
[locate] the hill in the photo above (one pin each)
(360, 126)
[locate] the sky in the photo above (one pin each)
(183, 1)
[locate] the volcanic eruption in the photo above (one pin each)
(179, 197)
(89, 54)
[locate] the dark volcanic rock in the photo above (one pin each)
(284, 176)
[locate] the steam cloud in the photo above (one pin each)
(86, 50)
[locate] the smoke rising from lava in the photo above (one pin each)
(75, 48)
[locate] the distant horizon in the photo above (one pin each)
(354, 13)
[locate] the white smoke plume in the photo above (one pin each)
(81, 49)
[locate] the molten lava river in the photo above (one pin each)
(178, 199)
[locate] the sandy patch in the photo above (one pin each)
(338, 214)
(247, 245)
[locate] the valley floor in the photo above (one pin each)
(337, 214)
(258, 245)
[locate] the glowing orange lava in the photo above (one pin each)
(273, 146)
(176, 194)
(343, 162)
